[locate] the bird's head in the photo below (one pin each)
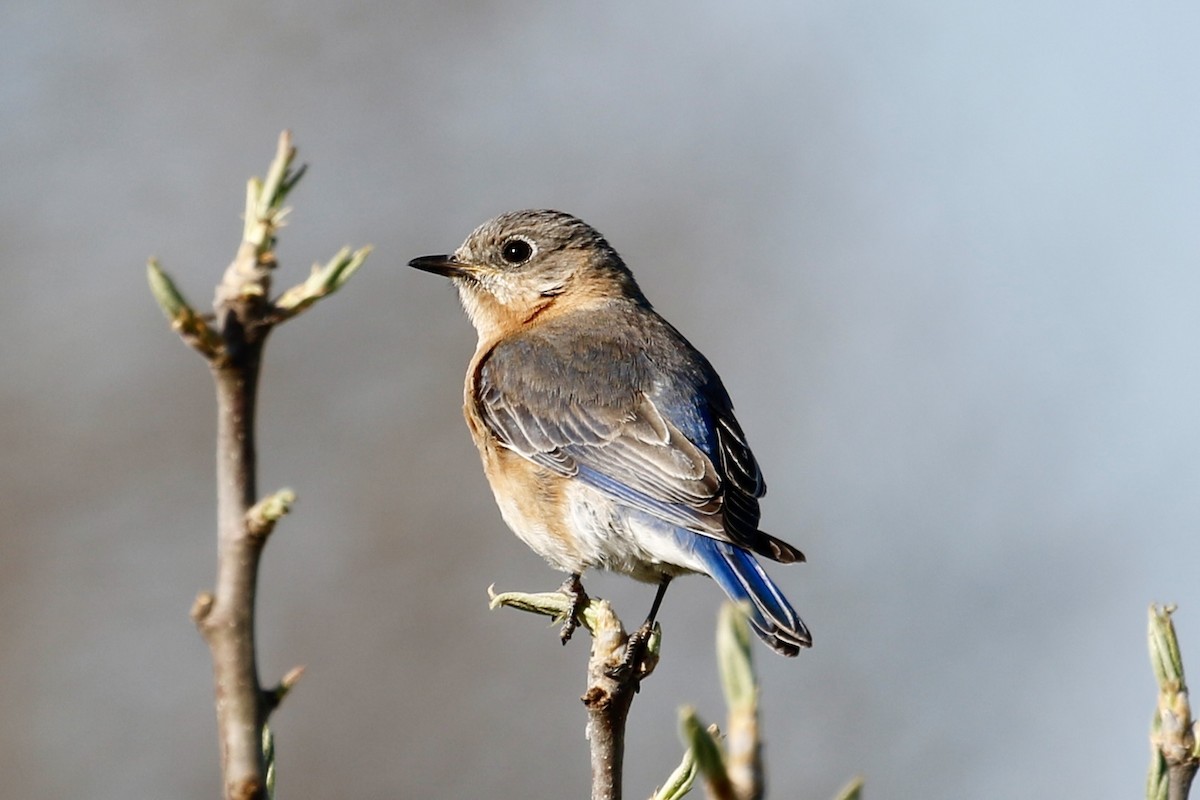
(524, 265)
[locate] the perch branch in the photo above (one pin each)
(610, 686)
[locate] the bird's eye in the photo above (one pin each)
(516, 251)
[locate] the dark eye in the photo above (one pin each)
(516, 251)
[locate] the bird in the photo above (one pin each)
(608, 440)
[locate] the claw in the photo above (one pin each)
(572, 587)
(635, 654)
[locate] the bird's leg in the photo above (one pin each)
(635, 647)
(572, 587)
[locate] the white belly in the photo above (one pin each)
(612, 537)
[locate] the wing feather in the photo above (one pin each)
(622, 437)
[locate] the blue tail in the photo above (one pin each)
(771, 616)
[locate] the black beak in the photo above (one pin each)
(440, 265)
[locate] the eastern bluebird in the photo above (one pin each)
(608, 440)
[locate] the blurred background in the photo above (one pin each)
(944, 256)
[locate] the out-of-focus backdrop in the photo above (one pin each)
(944, 255)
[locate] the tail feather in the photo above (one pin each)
(743, 579)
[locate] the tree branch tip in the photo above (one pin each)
(192, 327)
(734, 621)
(201, 607)
(1165, 656)
(734, 658)
(277, 504)
(286, 684)
(852, 790)
(290, 181)
(353, 260)
(689, 719)
(265, 213)
(323, 280)
(278, 219)
(165, 293)
(284, 144)
(292, 677)
(273, 697)
(184, 319)
(549, 604)
(1174, 735)
(703, 742)
(253, 191)
(595, 616)
(277, 181)
(262, 516)
(680, 782)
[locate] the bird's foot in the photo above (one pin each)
(572, 587)
(631, 665)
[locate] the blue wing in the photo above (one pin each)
(663, 441)
(746, 583)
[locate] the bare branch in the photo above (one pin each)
(233, 344)
(228, 627)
